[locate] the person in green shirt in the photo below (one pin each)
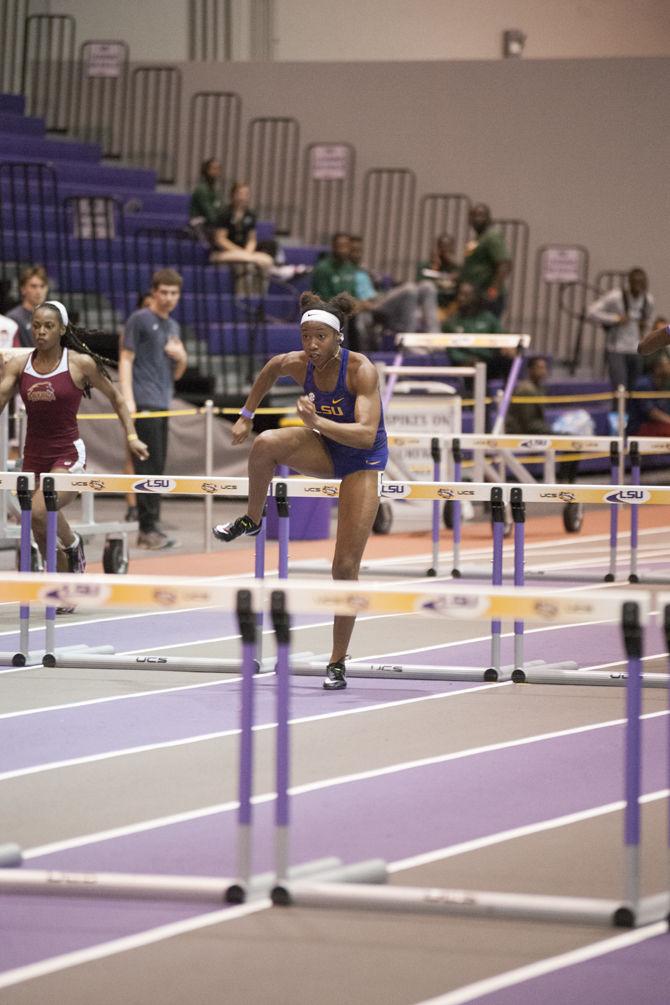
(487, 262)
(206, 198)
(471, 317)
(441, 269)
(335, 273)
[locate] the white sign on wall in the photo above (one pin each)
(561, 265)
(408, 414)
(329, 162)
(104, 59)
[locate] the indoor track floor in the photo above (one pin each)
(498, 787)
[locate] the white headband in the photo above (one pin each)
(325, 316)
(60, 308)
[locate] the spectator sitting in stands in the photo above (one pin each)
(441, 269)
(658, 324)
(33, 287)
(409, 307)
(235, 242)
(625, 314)
(487, 262)
(529, 418)
(471, 317)
(206, 200)
(651, 416)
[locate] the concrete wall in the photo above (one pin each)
(578, 148)
(308, 30)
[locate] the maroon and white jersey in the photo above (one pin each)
(51, 401)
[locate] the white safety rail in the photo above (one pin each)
(307, 596)
(650, 444)
(429, 340)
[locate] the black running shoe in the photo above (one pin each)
(236, 528)
(335, 679)
(75, 556)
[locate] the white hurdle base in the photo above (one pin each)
(260, 884)
(419, 671)
(188, 664)
(10, 855)
(468, 903)
(35, 659)
(484, 572)
(136, 886)
(372, 873)
(596, 678)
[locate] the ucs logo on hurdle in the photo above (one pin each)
(631, 496)
(155, 485)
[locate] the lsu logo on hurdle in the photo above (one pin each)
(82, 594)
(632, 496)
(459, 605)
(395, 491)
(155, 485)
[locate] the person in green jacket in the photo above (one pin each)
(206, 198)
(472, 317)
(487, 262)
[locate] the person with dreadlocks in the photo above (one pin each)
(51, 381)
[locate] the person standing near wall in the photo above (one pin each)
(152, 358)
(625, 315)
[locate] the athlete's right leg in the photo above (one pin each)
(297, 448)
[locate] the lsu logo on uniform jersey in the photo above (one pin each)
(333, 408)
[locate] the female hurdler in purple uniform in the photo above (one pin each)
(343, 437)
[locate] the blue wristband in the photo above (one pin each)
(246, 414)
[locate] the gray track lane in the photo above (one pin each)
(86, 798)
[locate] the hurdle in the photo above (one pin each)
(637, 447)
(150, 592)
(24, 485)
(210, 487)
(632, 910)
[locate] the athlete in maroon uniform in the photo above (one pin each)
(51, 380)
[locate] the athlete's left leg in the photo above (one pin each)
(357, 509)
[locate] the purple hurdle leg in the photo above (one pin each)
(457, 455)
(25, 502)
(498, 518)
(436, 453)
(632, 634)
(281, 623)
(634, 454)
(247, 623)
(391, 382)
(614, 513)
(519, 518)
(51, 502)
(283, 513)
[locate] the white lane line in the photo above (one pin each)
(125, 944)
(540, 968)
(308, 787)
(204, 737)
(452, 851)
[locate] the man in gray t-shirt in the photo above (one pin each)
(152, 357)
